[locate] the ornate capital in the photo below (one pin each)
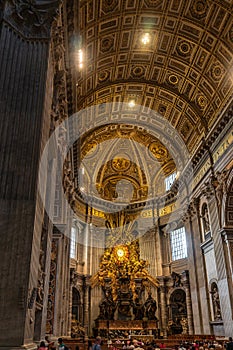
(31, 18)
(196, 203)
(73, 277)
(185, 278)
(207, 189)
(189, 211)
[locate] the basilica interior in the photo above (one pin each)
(116, 204)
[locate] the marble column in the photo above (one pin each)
(43, 280)
(202, 285)
(24, 127)
(163, 307)
(62, 285)
(86, 306)
(222, 267)
(226, 298)
(194, 260)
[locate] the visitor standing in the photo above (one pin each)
(42, 346)
(61, 345)
(229, 344)
(49, 343)
(97, 345)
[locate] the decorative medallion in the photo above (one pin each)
(103, 76)
(162, 109)
(217, 71)
(120, 164)
(173, 79)
(138, 71)
(201, 101)
(199, 8)
(90, 149)
(106, 44)
(158, 151)
(184, 48)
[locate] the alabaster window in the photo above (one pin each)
(169, 181)
(178, 244)
(73, 246)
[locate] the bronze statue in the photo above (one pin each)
(107, 306)
(150, 308)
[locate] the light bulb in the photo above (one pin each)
(145, 38)
(80, 58)
(120, 253)
(131, 103)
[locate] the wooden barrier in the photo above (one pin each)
(170, 343)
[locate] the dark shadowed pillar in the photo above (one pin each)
(25, 100)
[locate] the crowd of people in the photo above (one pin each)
(50, 345)
(184, 345)
(134, 344)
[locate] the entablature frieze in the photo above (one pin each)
(211, 142)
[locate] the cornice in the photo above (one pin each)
(209, 143)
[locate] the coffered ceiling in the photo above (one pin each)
(184, 73)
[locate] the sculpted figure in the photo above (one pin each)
(216, 304)
(150, 308)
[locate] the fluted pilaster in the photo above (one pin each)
(23, 127)
(163, 307)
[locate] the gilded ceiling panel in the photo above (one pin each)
(187, 60)
(183, 71)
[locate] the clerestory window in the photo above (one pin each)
(169, 181)
(178, 244)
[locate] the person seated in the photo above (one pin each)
(49, 343)
(42, 346)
